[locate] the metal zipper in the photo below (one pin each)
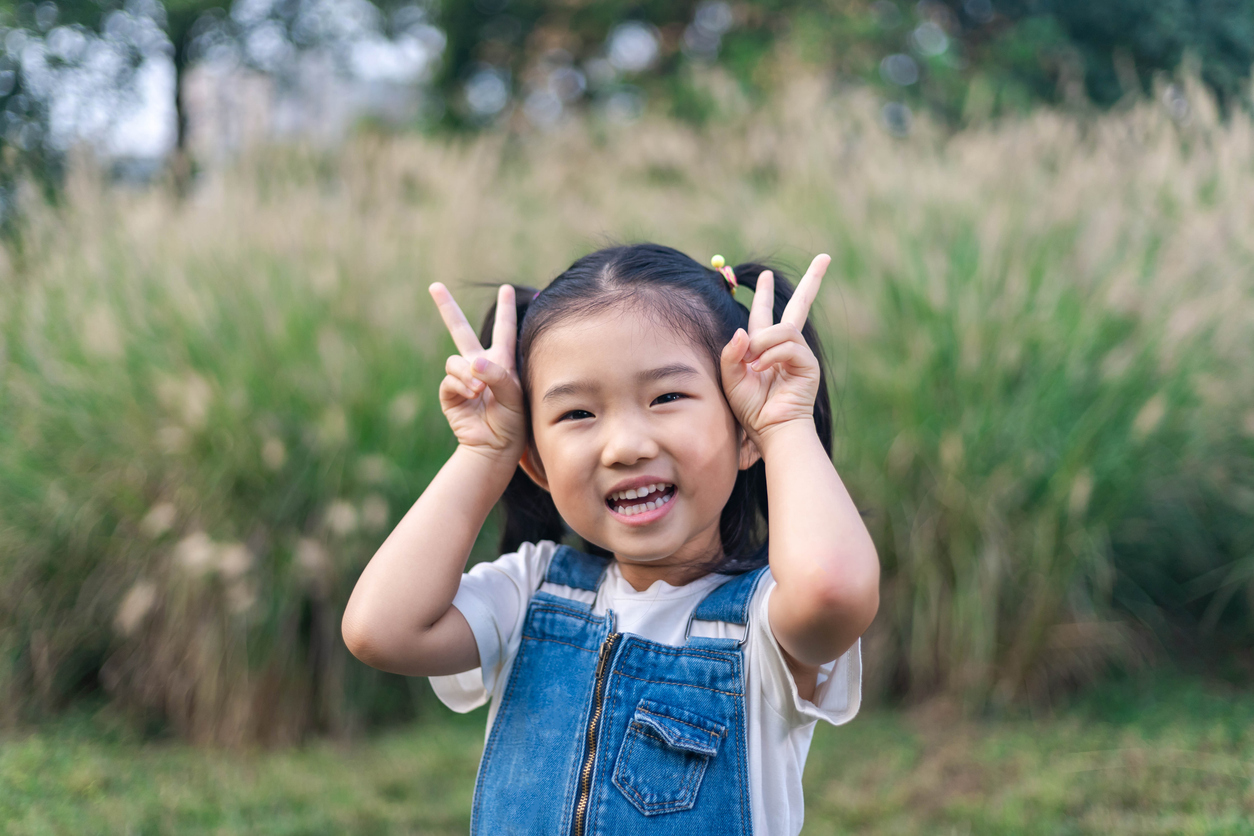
(598, 694)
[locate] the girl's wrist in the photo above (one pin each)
(785, 435)
(494, 463)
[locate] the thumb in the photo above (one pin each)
(503, 385)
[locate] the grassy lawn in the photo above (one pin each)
(1162, 754)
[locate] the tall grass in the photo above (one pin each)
(215, 408)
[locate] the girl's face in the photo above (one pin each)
(620, 402)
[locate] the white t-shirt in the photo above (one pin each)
(494, 597)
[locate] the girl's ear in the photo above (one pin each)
(749, 455)
(534, 468)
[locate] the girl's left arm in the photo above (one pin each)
(821, 554)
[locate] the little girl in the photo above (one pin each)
(665, 677)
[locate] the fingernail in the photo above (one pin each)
(480, 364)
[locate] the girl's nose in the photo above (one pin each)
(627, 442)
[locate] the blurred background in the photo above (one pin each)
(219, 363)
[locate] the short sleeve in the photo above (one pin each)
(838, 694)
(493, 599)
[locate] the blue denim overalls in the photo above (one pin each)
(600, 732)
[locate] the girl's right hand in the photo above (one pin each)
(480, 394)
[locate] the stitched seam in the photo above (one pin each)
(742, 744)
(680, 684)
(558, 641)
(545, 606)
(648, 731)
(654, 647)
(677, 720)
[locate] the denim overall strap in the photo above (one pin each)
(730, 602)
(576, 569)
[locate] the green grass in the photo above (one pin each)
(1141, 755)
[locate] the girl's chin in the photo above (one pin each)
(640, 559)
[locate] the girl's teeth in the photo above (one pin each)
(637, 493)
(632, 510)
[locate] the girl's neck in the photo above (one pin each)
(691, 561)
(641, 576)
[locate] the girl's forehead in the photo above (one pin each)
(610, 340)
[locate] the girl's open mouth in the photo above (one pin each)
(641, 505)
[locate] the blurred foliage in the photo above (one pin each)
(961, 58)
(62, 42)
(1042, 332)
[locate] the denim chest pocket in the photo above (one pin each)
(664, 756)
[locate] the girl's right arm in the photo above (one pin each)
(400, 617)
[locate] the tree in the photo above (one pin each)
(57, 43)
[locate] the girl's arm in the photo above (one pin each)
(821, 554)
(400, 617)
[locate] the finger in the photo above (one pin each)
(736, 348)
(454, 320)
(760, 315)
(505, 329)
(732, 358)
(459, 367)
(777, 334)
(798, 307)
(789, 355)
(453, 392)
(503, 384)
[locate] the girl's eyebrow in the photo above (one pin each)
(663, 372)
(579, 387)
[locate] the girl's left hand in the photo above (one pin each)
(770, 375)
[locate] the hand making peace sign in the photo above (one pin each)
(770, 375)
(480, 394)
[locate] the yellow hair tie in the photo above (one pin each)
(721, 265)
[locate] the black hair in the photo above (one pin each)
(691, 298)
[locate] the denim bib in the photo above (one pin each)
(600, 732)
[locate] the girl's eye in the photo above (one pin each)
(575, 415)
(669, 397)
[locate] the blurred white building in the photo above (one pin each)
(230, 107)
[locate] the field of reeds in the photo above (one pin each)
(1041, 331)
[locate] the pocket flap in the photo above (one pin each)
(680, 729)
